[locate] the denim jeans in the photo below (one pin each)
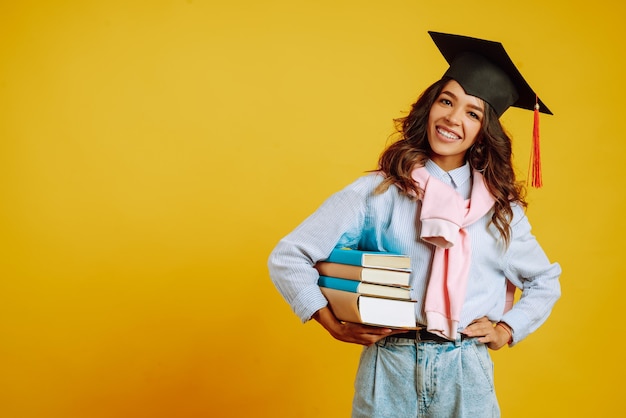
(402, 378)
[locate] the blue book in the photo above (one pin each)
(370, 289)
(373, 259)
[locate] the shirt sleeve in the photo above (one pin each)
(528, 268)
(338, 221)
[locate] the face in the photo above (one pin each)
(454, 122)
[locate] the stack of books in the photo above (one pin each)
(368, 287)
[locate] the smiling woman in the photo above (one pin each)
(451, 170)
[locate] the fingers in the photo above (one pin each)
(487, 333)
(348, 331)
(362, 334)
(482, 327)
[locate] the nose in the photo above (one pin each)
(453, 116)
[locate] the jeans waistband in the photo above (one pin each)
(423, 335)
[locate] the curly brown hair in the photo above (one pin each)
(491, 154)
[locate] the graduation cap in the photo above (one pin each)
(485, 70)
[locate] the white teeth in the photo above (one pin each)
(447, 134)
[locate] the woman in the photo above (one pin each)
(451, 147)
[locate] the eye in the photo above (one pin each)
(474, 115)
(445, 101)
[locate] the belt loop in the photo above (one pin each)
(457, 341)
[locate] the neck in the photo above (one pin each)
(448, 163)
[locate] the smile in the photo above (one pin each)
(447, 134)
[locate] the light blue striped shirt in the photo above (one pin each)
(355, 217)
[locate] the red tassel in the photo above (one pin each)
(535, 157)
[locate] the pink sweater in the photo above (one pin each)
(444, 216)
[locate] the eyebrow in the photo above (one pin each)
(473, 106)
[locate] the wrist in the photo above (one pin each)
(326, 318)
(507, 329)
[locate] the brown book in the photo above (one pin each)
(355, 307)
(364, 274)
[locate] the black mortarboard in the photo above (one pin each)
(484, 69)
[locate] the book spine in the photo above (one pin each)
(339, 284)
(345, 305)
(352, 257)
(342, 271)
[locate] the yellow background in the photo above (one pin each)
(153, 152)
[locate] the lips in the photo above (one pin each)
(447, 134)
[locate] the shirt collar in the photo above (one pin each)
(454, 178)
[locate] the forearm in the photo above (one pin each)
(527, 266)
(539, 295)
